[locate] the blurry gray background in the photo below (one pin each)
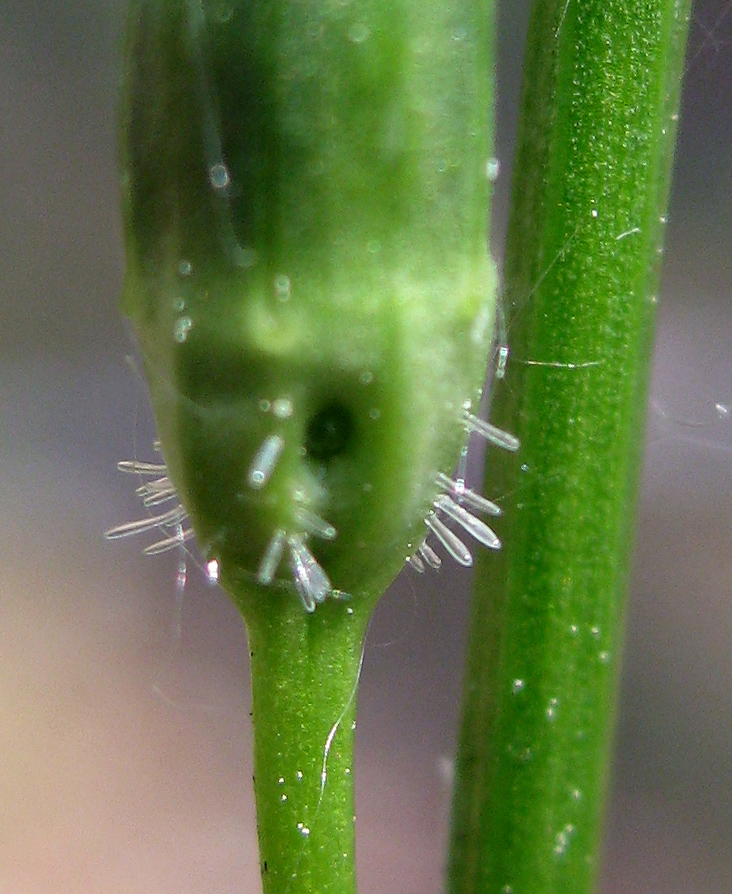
(124, 729)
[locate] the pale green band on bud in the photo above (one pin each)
(305, 199)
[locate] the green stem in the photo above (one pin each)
(305, 670)
(595, 147)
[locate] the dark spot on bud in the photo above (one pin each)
(329, 432)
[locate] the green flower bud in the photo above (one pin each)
(305, 202)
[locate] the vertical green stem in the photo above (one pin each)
(595, 147)
(305, 670)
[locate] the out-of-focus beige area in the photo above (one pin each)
(124, 731)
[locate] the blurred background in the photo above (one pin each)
(124, 731)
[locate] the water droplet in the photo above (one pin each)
(525, 467)
(722, 411)
(517, 686)
(359, 32)
(604, 657)
(283, 797)
(180, 305)
(281, 780)
(212, 571)
(507, 889)
(283, 408)
(182, 328)
(595, 213)
(304, 830)
(562, 840)
(218, 175)
(374, 413)
(367, 377)
(492, 169)
(460, 33)
(185, 268)
(576, 794)
(595, 631)
(299, 774)
(283, 287)
(551, 711)
(573, 629)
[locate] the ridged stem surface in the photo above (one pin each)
(305, 670)
(599, 106)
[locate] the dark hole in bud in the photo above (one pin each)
(329, 432)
